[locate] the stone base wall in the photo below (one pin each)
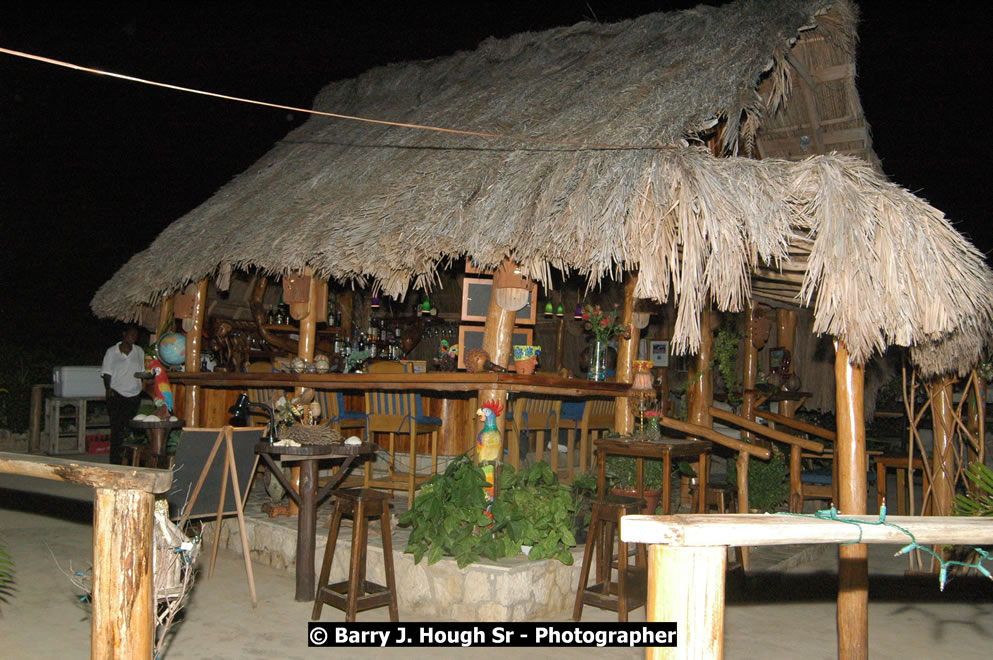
(515, 589)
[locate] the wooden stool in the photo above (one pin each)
(356, 593)
(628, 592)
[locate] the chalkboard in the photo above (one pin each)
(476, 292)
(191, 457)
(471, 336)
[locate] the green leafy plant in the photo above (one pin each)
(768, 481)
(6, 575)
(726, 347)
(622, 472)
(449, 516)
(979, 500)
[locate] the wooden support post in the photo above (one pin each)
(850, 459)
(943, 460)
(166, 316)
(750, 369)
(191, 408)
(498, 337)
(686, 585)
(700, 393)
(123, 620)
(627, 352)
(559, 344)
(976, 394)
(786, 338)
(305, 350)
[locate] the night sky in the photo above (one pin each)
(94, 168)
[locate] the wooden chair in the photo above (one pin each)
(262, 394)
(538, 415)
(598, 416)
(400, 412)
(334, 414)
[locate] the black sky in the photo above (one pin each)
(92, 169)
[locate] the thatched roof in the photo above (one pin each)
(390, 205)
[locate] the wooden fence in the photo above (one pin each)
(688, 557)
(123, 620)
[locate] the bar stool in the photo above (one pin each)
(356, 593)
(628, 592)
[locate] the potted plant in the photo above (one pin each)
(583, 491)
(622, 475)
(453, 516)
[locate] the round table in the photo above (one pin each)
(309, 496)
(158, 437)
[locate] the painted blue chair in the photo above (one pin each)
(400, 412)
(334, 414)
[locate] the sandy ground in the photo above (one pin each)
(46, 527)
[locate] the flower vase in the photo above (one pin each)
(598, 360)
(652, 429)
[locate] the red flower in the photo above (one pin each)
(586, 316)
(604, 322)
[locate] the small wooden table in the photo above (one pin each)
(155, 453)
(666, 450)
(309, 496)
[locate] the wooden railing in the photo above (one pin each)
(688, 557)
(123, 619)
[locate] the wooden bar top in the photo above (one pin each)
(427, 382)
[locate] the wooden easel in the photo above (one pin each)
(225, 435)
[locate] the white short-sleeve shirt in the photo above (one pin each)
(122, 369)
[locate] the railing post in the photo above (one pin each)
(686, 585)
(123, 623)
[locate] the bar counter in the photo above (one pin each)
(438, 381)
(446, 394)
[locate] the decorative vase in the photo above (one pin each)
(526, 358)
(598, 360)
(652, 429)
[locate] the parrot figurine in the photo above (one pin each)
(489, 441)
(161, 390)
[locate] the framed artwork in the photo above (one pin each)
(471, 336)
(659, 352)
(776, 357)
(476, 293)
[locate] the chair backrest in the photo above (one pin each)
(389, 411)
(600, 413)
(330, 404)
(262, 394)
(536, 413)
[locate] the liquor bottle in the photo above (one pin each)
(361, 344)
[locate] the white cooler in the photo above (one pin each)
(78, 382)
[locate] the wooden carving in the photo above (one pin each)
(258, 313)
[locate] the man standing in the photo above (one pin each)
(120, 364)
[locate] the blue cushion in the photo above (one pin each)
(428, 420)
(573, 410)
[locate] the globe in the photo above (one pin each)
(171, 348)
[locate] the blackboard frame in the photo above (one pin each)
(471, 336)
(192, 453)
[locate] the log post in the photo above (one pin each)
(786, 338)
(850, 459)
(686, 585)
(305, 350)
(123, 624)
(942, 459)
(700, 393)
(976, 425)
(498, 337)
(194, 337)
(750, 369)
(559, 344)
(627, 352)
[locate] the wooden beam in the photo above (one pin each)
(800, 425)
(715, 436)
(942, 460)
(698, 530)
(98, 475)
(772, 434)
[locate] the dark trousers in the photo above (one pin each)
(120, 409)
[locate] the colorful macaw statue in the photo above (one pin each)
(489, 442)
(161, 390)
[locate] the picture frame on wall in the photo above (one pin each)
(476, 292)
(659, 352)
(471, 336)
